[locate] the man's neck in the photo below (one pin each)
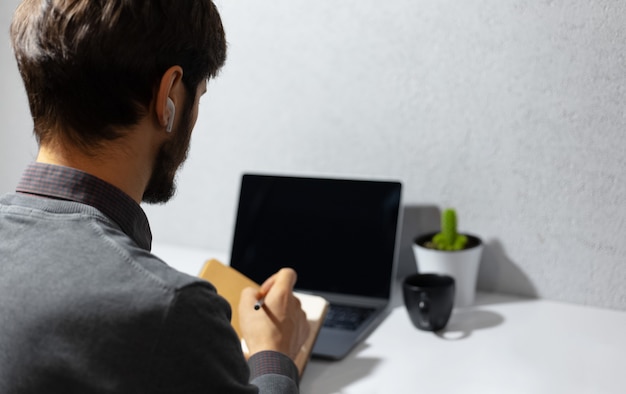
(121, 166)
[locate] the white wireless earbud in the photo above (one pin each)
(171, 108)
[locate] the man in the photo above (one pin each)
(113, 88)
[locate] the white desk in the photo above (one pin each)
(502, 345)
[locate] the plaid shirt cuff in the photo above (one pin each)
(270, 362)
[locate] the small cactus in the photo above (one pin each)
(448, 238)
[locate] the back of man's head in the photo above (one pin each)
(91, 67)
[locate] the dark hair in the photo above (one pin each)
(90, 66)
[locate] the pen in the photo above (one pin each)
(259, 304)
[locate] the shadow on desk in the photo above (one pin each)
(464, 322)
(320, 372)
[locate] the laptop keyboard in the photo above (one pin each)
(347, 317)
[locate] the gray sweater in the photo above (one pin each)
(84, 309)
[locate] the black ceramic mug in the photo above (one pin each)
(429, 299)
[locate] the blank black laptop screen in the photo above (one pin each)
(339, 235)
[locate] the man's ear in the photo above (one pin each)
(170, 93)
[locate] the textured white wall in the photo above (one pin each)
(512, 112)
(17, 147)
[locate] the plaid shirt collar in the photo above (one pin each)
(70, 184)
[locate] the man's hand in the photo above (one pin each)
(280, 324)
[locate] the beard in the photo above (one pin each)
(172, 154)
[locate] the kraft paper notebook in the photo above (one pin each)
(229, 283)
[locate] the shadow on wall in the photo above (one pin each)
(416, 220)
(497, 273)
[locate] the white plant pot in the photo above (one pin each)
(462, 265)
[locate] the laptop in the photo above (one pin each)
(341, 237)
